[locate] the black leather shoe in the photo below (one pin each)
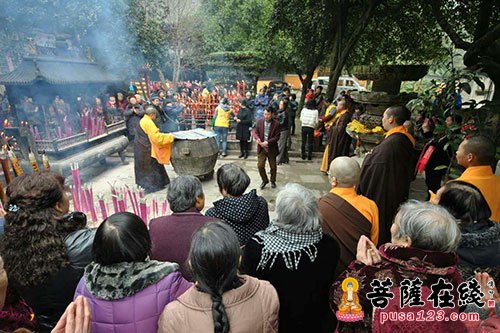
(273, 185)
(246, 156)
(263, 185)
(241, 155)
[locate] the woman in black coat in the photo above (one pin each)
(43, 248)
(294, 255)
(244, 122)
(479, 247)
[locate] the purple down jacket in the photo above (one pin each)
(130, 297)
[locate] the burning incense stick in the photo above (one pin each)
(18, 170)
(33, 162)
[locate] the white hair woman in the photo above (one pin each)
(424, 238)
(298, 259)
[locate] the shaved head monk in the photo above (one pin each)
(477, 155)
(388, 169)
(346, 215)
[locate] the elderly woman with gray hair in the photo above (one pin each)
(424, 238)
(171, 235)
(298, 259)
(245, 213)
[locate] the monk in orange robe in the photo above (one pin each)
(346, 215)
(477, 155)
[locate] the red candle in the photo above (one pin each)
(104, 213)
(144, 213)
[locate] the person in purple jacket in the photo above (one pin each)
(126, 291)
(171, 235)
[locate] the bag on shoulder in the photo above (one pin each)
(214, 118)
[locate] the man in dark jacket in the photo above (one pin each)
(133, 114)
(160, 119)
(250, 103)
(171, 112)
(267, 134)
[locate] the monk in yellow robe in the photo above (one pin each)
(327, 119)
(338, 141)
(151, 151)
(477, 154)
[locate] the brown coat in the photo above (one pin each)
(253, 307)
(274, 136)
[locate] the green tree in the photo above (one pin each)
(185, 39)
(382, 32)
(236, 36)
(350, 18)
(148, 23)
(472, 26)
(401, 34)
(304, 29)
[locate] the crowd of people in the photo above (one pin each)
(363, 251)
(233, 269)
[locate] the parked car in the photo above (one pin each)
(345, 83)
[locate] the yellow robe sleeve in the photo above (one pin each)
(160, 142)
(154, 135)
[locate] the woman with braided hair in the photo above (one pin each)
(236, 303)
(44, 266)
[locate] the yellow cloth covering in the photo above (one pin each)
(160, 142)
(324, 162)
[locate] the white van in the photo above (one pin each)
(345, 83)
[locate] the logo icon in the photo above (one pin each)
(349, 309)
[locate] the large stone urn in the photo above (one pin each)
(386, 87)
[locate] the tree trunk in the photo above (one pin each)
(337, 50)
(335, 73)
(177, 67)
(162, 77)
(306, 83)
(343, 46)
(255, 84)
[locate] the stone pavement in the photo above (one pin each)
(297, 171)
